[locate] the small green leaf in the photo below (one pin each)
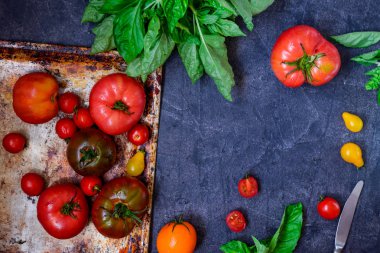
(104, 40)
(235, 247)
(129, 32)
(226, 28)
(92, 12)
(260, 248)
(368, 59)
(358, 39)
(259, 6)
(244, 9)
(223, 6)
(208, 19)
(378, 97)
(374, 82)
(115, 6)
(174, 10)
(189, 52)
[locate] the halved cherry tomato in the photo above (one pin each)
(139, 134)
(236, 221)
(65, 128)
(14, 142)
(32, 184)
(248, 187)
(328, 208)
(91, 185)
(82, 118)
(68, 102)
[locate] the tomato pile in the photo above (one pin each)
(116, 105)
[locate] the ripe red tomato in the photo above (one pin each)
(65, 128)
(301, 54)
(248, 187)
(32, 184)
(236, 221)
(328, 208)
(68, 102)
(62, 210)
(117, 103)
(14, 142)
(139, 134)
(82, 118)
(90, 185)
(34, 97)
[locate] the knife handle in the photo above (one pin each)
(338, 250)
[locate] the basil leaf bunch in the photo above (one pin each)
(362, 40)
(283, 241)
(145, 33)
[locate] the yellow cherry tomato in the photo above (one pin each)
(353, 122)
(136, 164)
(352, 153)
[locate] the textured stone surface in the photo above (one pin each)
(288, 139)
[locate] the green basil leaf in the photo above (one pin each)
(115, 6)
(226, 27)
(223, 6)
(244, 9)
(368, 58)
(104, 40)
(286, 237)
(374, 81)
(235, 247)
(357, 39)
(129, 32)
(213, 54)
(174, 11)
(260, 248)
(259, 6)
(378, 97)
(92, 12)
(134, 68)
(208, 19)
(189, 52)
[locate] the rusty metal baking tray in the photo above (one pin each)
(76, 70)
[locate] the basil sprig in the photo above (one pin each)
(145, 33)
(357, 39)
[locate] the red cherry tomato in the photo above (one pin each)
(65, 128)
(32, 184)
(235, 221)
(90, 185)
(328, 208)
(14, 142)
(68, 102)
(139, 134)
(248, 187)
(301, 54)
(82, 118)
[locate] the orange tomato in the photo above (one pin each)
(177, 237)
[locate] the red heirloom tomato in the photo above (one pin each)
(117, 103)
(35, 97)
(82, 118)
(120, 205)
(139, 134)
(65, 128)
(328, 208)
(90, 185)
(14, 142)
(62, 210)
(301, 54)
(248, 187)
(236, 221)
(32, 184)
(68, 102)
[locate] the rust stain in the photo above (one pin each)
(77, 71)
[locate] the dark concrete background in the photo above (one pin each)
(288, 139)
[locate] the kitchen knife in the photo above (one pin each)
(346, 217)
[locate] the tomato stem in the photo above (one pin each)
(119, 105)
(122, 211)
(179, 221)
(89, 154)
(69, 207)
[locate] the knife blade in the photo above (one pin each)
(346, 218)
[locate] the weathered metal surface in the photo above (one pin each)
(76, 71)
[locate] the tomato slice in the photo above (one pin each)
(248, 187)
(235, 221)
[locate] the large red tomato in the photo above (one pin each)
(301, 54)
(117, 103)
(35, 97)
(120, 205)
(62, 210)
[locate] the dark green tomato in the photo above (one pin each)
(91, 152)
(120, 205)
